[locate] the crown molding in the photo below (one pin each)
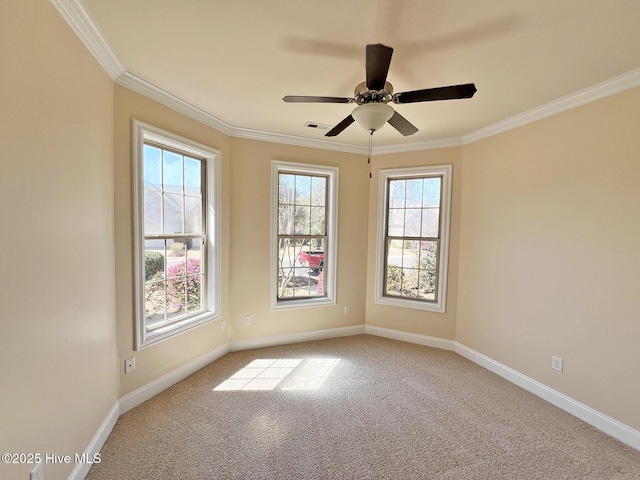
(138, 85)
(590, 94)
(76, 15)
(413, 147)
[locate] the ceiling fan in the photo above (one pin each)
(374, 94)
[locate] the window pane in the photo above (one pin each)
(152, 167)
(192, 174)
(300, 268)
(318, 225)
(172, 172)
(414, 193)
(430, 222)
(303, 190)
(413, 214)
(286, 219)
(193, 214)
(393, 284)
(394, 252)
(431, 193)
(410, 253)
(172, 213)
(302, 220)
(397, 193)
(396, 222)
(154, 302)
(152, 211)
(318, 191)
(412, 221)
(428, 270)
(409, 282)
(153, 260)
(286, 186)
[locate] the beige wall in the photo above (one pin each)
(549, 252)
(250, 241)
(543, 250)
(406, 319)
(57, 329)
(158, 359)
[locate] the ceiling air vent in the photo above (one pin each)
(317, 126)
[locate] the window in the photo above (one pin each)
(176, 234)
(413, 237)
(303, 225)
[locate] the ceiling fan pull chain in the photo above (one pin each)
(370, 151)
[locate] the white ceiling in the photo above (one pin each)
(235, 60)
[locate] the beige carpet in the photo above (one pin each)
(359, 407)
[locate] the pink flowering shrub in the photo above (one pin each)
(177, 275)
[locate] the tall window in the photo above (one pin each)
(413, 234)
(176, 192)
(303, 225)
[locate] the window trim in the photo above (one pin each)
(444, 171)
(332, 235)
(143, 132)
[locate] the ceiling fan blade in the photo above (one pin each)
(404, 126)
(377, 65)
(311, 99)
(340, 127)
(451, 92)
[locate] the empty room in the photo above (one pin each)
(362, 239)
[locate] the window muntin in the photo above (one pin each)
(177, 197)
(304, 224)
(174, 234)
(302, 235)
(412, 238)
(413, 235)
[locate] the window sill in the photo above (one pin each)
(408, 303)
(312, 302)
(158, 334)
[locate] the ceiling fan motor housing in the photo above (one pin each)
(363, 95)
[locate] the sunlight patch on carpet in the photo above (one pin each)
(284, 373)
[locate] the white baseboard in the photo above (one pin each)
(417, 338)
(153, 388)
(296, 338)
(602, 422)
(80, 471)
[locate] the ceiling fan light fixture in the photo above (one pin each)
(372, 116)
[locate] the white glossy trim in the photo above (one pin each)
(81, 470)
(80, 21)
(296, 338)
(78, 18)
(142, 132)
(419, 339)
(590, 94)
(332, 234)
(445, 216)
(602, 422)
(169, 379)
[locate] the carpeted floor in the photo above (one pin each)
(359, 407)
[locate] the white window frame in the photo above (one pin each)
(331, 253)
(443, 171)
(143, 132)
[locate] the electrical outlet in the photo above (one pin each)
(247, 320)
(223, 325)
(37, 473)
(129, 365)
(346, 310)
(556, 363)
